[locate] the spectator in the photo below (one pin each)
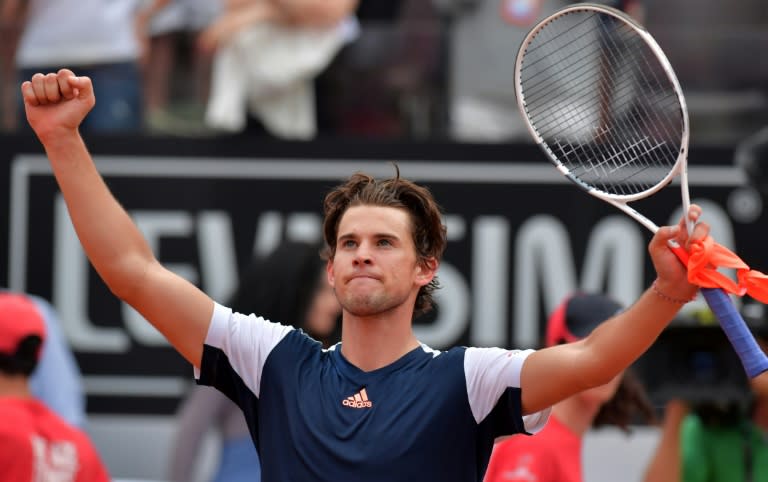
(288, 284)
(35, 443)
(714, 442)
(389, 82)
(174, 101)
(555, 454)
(106, 40)
(57, 381)
(485, 36)
(267, 54)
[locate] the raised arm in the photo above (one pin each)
(556, 373)
(55, 105)
(665, 464)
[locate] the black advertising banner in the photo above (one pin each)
(521, 238)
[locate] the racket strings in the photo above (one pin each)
(597, 95)
(547, 79)
(598, 99)
(611, 161)
(575, 110)
(549, 47)
(584, 63)
(638, 149)
(617, 160)
(667, 102)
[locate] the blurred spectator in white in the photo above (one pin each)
(267, 55)
(485, 38)
(174, 103)
(104, 40)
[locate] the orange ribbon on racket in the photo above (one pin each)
(706, 256)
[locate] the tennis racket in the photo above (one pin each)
(601, 99)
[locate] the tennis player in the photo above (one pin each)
(380, 406)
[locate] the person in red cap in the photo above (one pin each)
(35, 443)
(554, 454)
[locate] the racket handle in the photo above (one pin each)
(751, 355)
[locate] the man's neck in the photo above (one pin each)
(375, 342)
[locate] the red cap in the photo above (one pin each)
(577, 316)
(19, 318)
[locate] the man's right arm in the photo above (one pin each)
(558, 372)
(55, 105)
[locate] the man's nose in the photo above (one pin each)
(363, 255)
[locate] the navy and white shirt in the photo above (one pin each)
(429, 416)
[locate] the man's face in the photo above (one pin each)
(375, 267)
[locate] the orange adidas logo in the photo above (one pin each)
(358, 400)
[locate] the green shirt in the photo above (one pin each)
(717, 454)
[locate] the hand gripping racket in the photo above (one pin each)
(601, 99)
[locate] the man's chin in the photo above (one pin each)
(363, 306)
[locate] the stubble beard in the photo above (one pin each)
(370, 304)
(366, 304)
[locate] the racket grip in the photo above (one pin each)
(751, 355)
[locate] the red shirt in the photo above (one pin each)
(35, 445)
(552, 455)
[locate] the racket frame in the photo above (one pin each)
(621, 201)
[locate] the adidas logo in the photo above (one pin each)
(358, 400)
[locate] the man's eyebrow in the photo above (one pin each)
(374, 235)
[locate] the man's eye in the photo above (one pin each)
(348, 243)
(384, 242)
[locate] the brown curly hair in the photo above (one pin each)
(427, 229)
(629, 403)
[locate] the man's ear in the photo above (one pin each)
(329, 272)
(426, 271)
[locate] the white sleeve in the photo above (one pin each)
(246, 340)
(491, 371)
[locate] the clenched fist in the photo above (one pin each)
(57, 103)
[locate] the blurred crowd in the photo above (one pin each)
(299, 69)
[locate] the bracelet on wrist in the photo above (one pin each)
(666, 297)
